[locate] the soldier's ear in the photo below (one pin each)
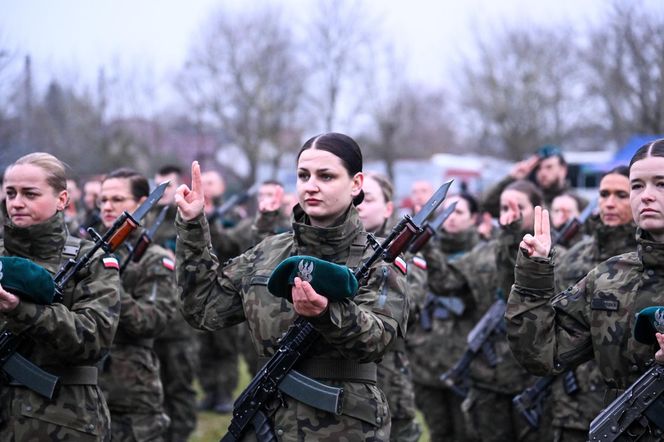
(358, 181)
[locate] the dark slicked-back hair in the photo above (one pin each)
(651, 149)
(138, 184)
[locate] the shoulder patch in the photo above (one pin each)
(400, 264)
(420, 262)
(168, 263)
(110, 262)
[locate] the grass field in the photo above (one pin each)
(211, 426)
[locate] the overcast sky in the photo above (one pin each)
(71, 39)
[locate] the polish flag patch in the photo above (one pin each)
(401, 265)
(168, 263)
(110, 262)
(420, 262)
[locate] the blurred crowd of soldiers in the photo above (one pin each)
(454, 281)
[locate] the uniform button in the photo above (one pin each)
(280, 432)
(379, 420)
(651, 272)
(648, 248)
(90, 427)
(635, 367)
(28, 408)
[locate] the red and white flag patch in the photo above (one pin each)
(420, 262)
(401, 265)
(168, 263)
(110, 262)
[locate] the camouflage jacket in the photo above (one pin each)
(480, 277)
(76, 332)
(438, 340)
(595, 317)
(361, 329)
(578, 409)
(130, 379)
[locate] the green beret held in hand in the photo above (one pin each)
(27, 280)
(333, 281)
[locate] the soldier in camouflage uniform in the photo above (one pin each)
(130, 376)
(394, 373)
(483, 275)
(355, 333)
(67, 339)
(594, 318)
(218, 350)
(549, 170)
(614, 234)
(176, 347)
(438, 339)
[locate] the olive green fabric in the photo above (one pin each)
(334, 281)
(27, 280)
(649, 321)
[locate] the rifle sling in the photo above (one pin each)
(76, 375)
(334, 369)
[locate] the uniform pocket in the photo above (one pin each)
(76, 407)
(366, 403)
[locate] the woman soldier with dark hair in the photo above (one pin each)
(355, 332)
(130, 376)
(594, 318)
(68, 338)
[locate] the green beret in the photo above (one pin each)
(649, 321)
(27, 280)
(333, 281)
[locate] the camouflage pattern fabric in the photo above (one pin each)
(433, 351)
(77, 332)
(576, 411)
(177, 350)
(218, 364)
(592, 318)
(481, 276)
(130, 376)
(361, 329)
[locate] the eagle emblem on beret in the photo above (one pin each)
(305, 270)
(658, 320)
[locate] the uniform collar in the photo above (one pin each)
(650, 252)
(43, 241)
(451, 243)
(614, 240)
(329, 243)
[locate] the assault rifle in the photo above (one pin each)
(492, 321)
(530, 402)
(238, 198)
(21, 369)
(637, 412)
(278, 376)
(430, 229)
(573, 225)
(137, 251)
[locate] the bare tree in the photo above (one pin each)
(406, 120)
(339, 52)
(625, 56)
(243, 76)
(519, 92)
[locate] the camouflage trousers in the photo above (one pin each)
(26, 416)
(178, 364)
(442, 412)
(405, 430)
(218, 362)
(490, 417)
(139, 427)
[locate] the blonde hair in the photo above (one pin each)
(55, 169)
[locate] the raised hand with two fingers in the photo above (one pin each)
(538, 245)
(190, 201)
